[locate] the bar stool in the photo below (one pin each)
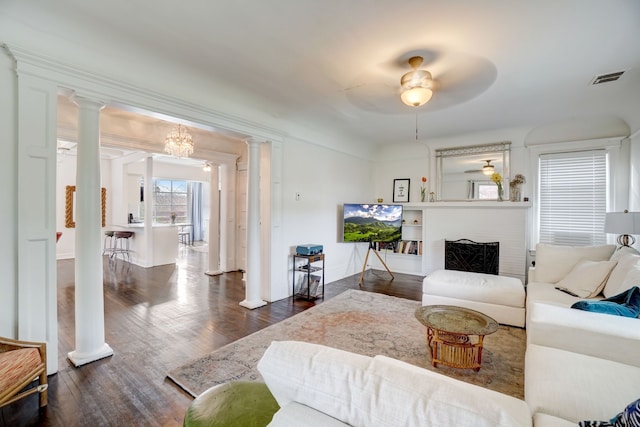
(121, 244)
(184, 236)
(108, 247)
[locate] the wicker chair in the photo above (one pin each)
(21, 362)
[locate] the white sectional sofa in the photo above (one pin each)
(580, 365)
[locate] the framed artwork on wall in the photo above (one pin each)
(401, 190)
(69, 221)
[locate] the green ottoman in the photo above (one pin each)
(242, 404)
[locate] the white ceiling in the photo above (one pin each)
(336, 64)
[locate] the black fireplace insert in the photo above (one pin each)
(467, 255)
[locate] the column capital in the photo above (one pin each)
(254, 141)
(87, 102)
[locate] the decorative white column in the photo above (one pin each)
(252, 289)
(89, 299)
(148, 211)
(214, 223)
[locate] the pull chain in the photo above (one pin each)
(416, 126)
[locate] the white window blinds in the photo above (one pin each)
(573, 198)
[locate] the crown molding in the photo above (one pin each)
(114, 92)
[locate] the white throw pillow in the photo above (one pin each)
(554, 262)
(588, 277)
(632, 278)
(622, 251)
(627, 264)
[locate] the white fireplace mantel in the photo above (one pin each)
(466, 204)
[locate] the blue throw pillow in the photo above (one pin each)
(625, 304)
(629, 417)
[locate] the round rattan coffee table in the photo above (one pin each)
(450, 334)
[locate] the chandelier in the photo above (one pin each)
(178, 142)
(416, 85)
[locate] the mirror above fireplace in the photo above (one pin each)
(464, 173)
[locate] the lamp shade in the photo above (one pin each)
(622, 223)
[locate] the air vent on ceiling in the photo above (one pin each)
(604, 78)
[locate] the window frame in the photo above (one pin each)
(161, 219)
(617, 176)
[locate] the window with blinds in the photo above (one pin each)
(169, 198)
(573, 198)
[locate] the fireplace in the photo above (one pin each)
(467, 255)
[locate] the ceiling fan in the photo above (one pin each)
(487, 169)
(456, 78)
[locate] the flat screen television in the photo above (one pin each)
(372, 222)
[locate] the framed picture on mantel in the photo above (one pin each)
(401, 190)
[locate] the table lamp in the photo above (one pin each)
(623, 223)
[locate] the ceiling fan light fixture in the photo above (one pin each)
(416, 85)
(416, 96)
(488, 169)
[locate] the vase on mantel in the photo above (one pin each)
(515, 194)
(500, 192)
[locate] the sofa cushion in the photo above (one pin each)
(587, 278)
(445, 401)
(624, 275)
(554, 262)
(547, 293)
(15, 365)
(479, 287)
(364, 391)
(577, 387)
(613, 338)
(325, 379)
(625, 304)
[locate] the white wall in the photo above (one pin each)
(415, 159)
(634, 178)
(325, 180)
(8, 195)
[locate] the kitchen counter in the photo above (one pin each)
(158, 246)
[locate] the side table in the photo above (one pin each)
(310, 269)
(450, 332)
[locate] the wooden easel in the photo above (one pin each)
(366, 258)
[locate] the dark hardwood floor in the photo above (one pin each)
(157, 319)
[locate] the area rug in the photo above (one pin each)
(361, 322)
